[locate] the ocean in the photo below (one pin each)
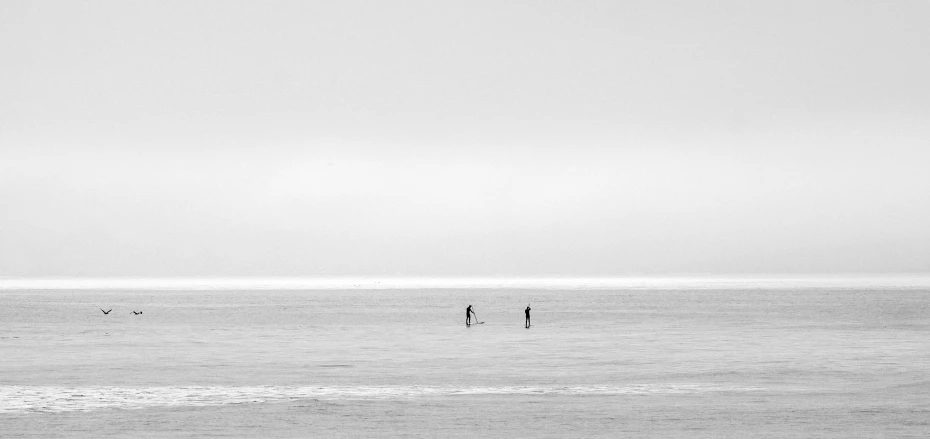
(694, 359)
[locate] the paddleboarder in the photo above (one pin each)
(468, 314)
(527, 312)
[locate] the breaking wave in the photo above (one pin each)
(50, 399)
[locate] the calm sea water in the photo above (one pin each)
(788, 361)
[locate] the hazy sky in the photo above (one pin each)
(430, 138)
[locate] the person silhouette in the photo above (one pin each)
(527, 312)
(468, 314)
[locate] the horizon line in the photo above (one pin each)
(668, 281)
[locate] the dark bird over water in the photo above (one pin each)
(137, 313)
(106, 312)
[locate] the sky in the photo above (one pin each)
(481, 138)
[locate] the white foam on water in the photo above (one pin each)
(52, 399)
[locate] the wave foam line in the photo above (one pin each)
(50, 399)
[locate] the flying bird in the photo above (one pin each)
(106, 312)
(137, 313)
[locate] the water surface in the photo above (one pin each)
(790, 361)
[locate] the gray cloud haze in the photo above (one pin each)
(463, 139)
